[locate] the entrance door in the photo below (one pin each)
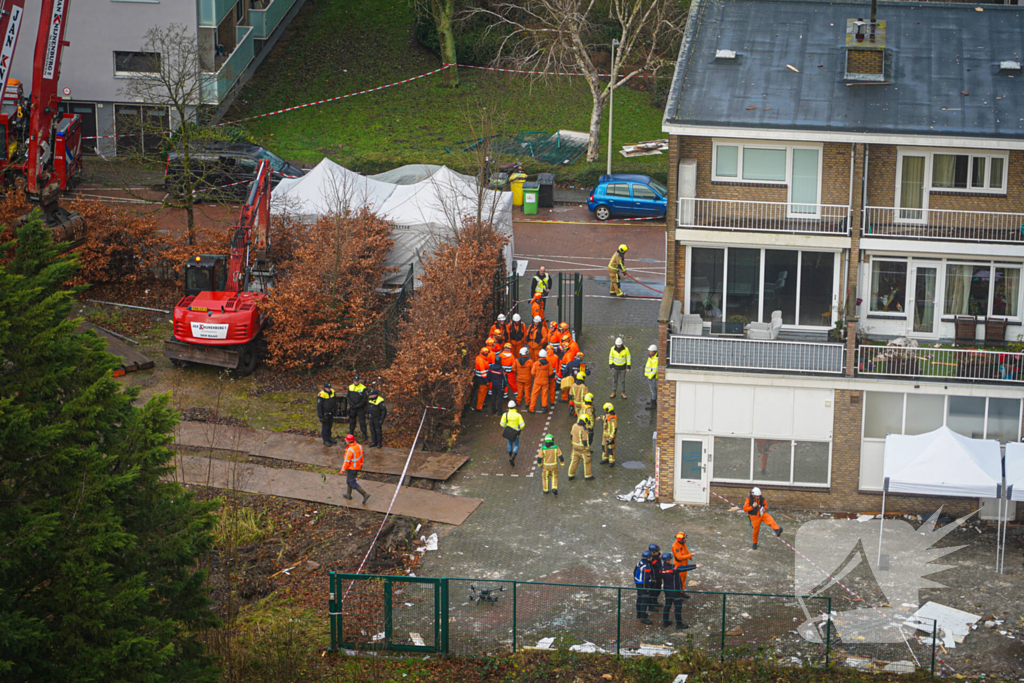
(923, 314)
(691, 485)
(910, 190)
(86, 112)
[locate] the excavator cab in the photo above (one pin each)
(206, 273)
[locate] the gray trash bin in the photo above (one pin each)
(546, 198)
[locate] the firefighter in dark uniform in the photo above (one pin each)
(655, 588)
(357, 406)
(668, 573)
(326, 402)
(376, 412)
(643, 577)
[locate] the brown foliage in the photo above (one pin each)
(329, 293)
(120, 246)
(447, 322)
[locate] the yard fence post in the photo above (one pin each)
(442, 616)
(578, 305)
(515, 606)
(332, 612)
(722, 655)
(560, 296)
(935, 633)
(618, 624)
(828, 632)
(387, 613)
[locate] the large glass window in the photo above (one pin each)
(810, 462)
(924, 413)
(967, 172)
(883, 414)
(816, 273)
(976, 417)
(780, 268)
(804, 185)
(966, 415)
(888, 286)
(743, 290)
(727, 161)
(771, 461)
(1003, 419)
(1007, 292)
(764, 164)
(967, 289)
(707, 269)
(732, 458)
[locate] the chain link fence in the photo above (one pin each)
(468, 617)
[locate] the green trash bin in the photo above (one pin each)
(531, 192)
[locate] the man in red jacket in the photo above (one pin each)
(353, 463)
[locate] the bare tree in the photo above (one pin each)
(560, 35)
(443, 14)
(169, 79)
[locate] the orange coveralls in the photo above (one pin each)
(681, 555)
(537, 307)
(507, 360)
(498, 331)
(541, 372)
(556, 370)
(524, 379)
(536, 338)
(516, 336)
(756, 511)
(567, 357)
(480, 375)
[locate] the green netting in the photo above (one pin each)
(559, 148)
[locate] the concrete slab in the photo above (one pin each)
(319, 488)
(131, 358)
(309, 450)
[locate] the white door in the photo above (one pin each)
(922, 303)
(691, 485)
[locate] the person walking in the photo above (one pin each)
(351, 466)
(669, 574)
(681, 556)
(577, 391)
(496, 378)
(541, 285)
(480, 381)
(516, 333)
(608, 435)
(357, 398)
(326, 402)
(548, 460)
(616, 268)
(755, 507)
(541, 373)
(643, 579)
(513, 424)
(651, 374)
(376, 413)
(580, 450)
(523, 368)
(536, 336)
(619, 362)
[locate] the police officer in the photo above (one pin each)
(325, 405)
(357, 399)
(643, 577)
(655, 590)
(376, 411)
(668, 573)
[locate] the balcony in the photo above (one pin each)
(942, 224)
(760, 355)
(212, 12)
(941, 365)
(215, 86)
(266, 19)
(730, 214)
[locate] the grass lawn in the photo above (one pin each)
(335, 47)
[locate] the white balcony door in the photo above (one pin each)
(804, 182)
(922, 306)
(691, 484)
(911, 197)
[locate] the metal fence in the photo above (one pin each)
(468, 617)
(732, 214)
(943, 224)
(570, 302)
(757, 354)
(506, 293)
(942, 365)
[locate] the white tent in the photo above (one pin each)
(423, 213)
(1015, 471)
(940, 463)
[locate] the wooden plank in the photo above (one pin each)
(131, 358)
(309, 450)
(317, 488)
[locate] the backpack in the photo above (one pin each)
(638, 574)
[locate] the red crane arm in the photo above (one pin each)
(254, 217)
(11, 12)
(50, 44)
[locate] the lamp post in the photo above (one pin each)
(611, 106)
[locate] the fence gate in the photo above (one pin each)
(570, 301)
(506, 293)
(398, 613)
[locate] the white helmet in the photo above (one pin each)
(511, 404)
(536, 318)
(618, 341)
(652, 347)
(523, 351)
(755, 491)
(516, 318)
(542, 354)
(501, 317)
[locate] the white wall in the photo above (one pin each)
(757, 411)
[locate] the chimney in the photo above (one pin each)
(865, 49)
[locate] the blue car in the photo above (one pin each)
(626, 194)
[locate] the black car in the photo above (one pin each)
(224, 170)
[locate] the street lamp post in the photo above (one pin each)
(611, 106)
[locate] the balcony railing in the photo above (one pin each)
(212, 12)
(216, 85)
(942, 224)
(946, 365)
(729, 214)
(266, 19)
(753, 354)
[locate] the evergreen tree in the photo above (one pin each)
(98, 571)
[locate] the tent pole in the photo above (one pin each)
(881, 523)
(1006, 520)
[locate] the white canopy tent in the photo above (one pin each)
(1013, 467)
(940, 463)
(423, 213)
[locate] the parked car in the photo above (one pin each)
(214, 165)
(626, 194)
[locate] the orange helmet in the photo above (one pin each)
(490, 341)
(507, 345)
(563, 326)
(485, 350)
(579, 355)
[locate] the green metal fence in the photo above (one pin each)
(468, 617)
(570, 302)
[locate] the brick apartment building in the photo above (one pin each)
(863, 183)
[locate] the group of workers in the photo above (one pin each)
(358, 404)
(657, 572)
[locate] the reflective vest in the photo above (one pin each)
(541, 284)
(480, 367)
(616, 262)
(619, 358)
(353, 458)
(611, 425)
(327, 394)
(579, 436)
(513, 419)
(550, 455)
(651, 367)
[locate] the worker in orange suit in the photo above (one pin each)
(541, 373)
(567, 338)
(537, 306)
(536, 336)
(755, 507)
(681, 556)
(523, 367)
(554, 333)
(351, 466)
(491, 353)
(556, 369)
(498, 329)
(507, 360)
(516, 335)
(480, 381)
(564, 368)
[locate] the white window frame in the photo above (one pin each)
(868, 296)
(929, 153)
(740, 145)
(135, 74)
(992, 265)
(837, 266)
(771, 482)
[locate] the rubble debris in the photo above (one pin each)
(952, 625)
(642, 492)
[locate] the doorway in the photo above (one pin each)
(923, 315)
(691, 484)
(139, 129)
(87, 113)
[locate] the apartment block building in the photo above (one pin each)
(845, 245)
(107, 40)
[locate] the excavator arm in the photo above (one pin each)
(252, 231)
(11, 12)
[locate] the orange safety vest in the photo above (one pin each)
(481, 366)
(353, 458)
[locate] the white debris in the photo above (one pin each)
(588, 648)
(900, 666)
(545, 643)
(642, 492)
(379, 636)
(950, 622)
(431, 543)
(681, 678)
(857, 663)
(666, 506)
(417, 639)
(865, 518)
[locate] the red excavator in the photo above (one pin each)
(45, 154)
(218, 321)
